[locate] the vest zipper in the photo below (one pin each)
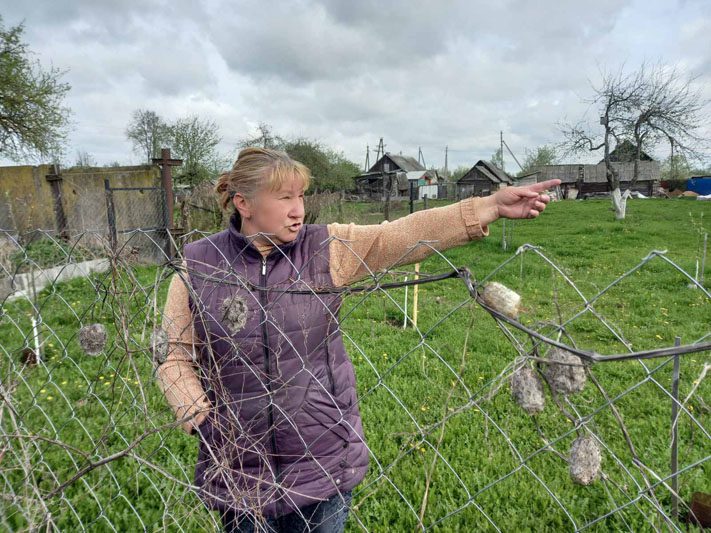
(267, 370)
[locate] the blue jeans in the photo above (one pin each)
(328, 516)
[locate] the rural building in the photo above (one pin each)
(483, 179)
(403, 170)
(580, 180)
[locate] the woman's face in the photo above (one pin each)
(279, 214)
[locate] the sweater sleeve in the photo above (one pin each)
(357, 251)
(178, 376)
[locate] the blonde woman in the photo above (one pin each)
(257, 365)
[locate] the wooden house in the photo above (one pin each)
(580, 180)
(483, 179)
(402, 170)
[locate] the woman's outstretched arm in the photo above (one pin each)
(357, 250)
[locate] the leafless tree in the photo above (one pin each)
(670, 111)
(147, 131)
(646, 106)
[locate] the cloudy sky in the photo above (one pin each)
(418, 73)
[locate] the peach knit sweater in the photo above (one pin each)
(355, 252)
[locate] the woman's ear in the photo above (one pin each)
(243, 205)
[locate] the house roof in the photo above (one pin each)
(626, 152)
(402, 162)
(490, 171)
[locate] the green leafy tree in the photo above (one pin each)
(458, 173)
(497, 158)
(195, 140)
(33, 117)
(541, 156)
(148, 132)
(330, 169)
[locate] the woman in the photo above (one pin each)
(257, 365)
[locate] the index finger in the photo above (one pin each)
(543, 185)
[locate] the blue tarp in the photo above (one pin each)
(701, 185)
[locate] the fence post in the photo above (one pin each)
(424, 198)
(166, 174)
(675, 434)
(703, 260)
(412, 196)
(111, 215)
(386, 190)
(55, 182)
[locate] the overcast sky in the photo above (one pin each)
(347, 72)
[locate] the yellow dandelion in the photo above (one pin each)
(107, 383)
(50, 398)
(101, 378)
(64, 382)
(42, 391)
(691, 408)
(658, 336)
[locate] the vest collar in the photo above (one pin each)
(243, 244)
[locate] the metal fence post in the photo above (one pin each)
(111, 215)
(675, 434)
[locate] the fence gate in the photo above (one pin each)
(138, 222)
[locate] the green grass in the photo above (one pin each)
(408, 385)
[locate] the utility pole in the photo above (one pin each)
(502, 150)
(367, 158)
(446, 170)
(421, 157)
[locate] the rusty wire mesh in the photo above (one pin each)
(87, 441)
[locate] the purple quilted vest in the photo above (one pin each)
(285, 430)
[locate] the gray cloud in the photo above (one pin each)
(420, 73)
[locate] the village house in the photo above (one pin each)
(403, 171)
(580, 180)
(483, 179)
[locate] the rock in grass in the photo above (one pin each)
(585, 460)
(234, 313)
(565, 372)
(527, 390)
(159, 345)
(92, 338)
(501, 299)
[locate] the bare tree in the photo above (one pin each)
(84, 159)
(616, 95)
(147, 132)
(646, 106)
(670, 111)
(264, 137)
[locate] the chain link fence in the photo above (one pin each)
(512, 399)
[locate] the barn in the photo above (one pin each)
(580, 180)
(483, 179)
(403, 170)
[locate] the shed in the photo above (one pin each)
(402, 169)
(483, 179)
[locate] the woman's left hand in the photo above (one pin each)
(517, 202)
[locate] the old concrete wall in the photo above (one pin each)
(26, 201)
(27, 204)
(84, 197)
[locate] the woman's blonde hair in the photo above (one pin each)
(256, 168)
